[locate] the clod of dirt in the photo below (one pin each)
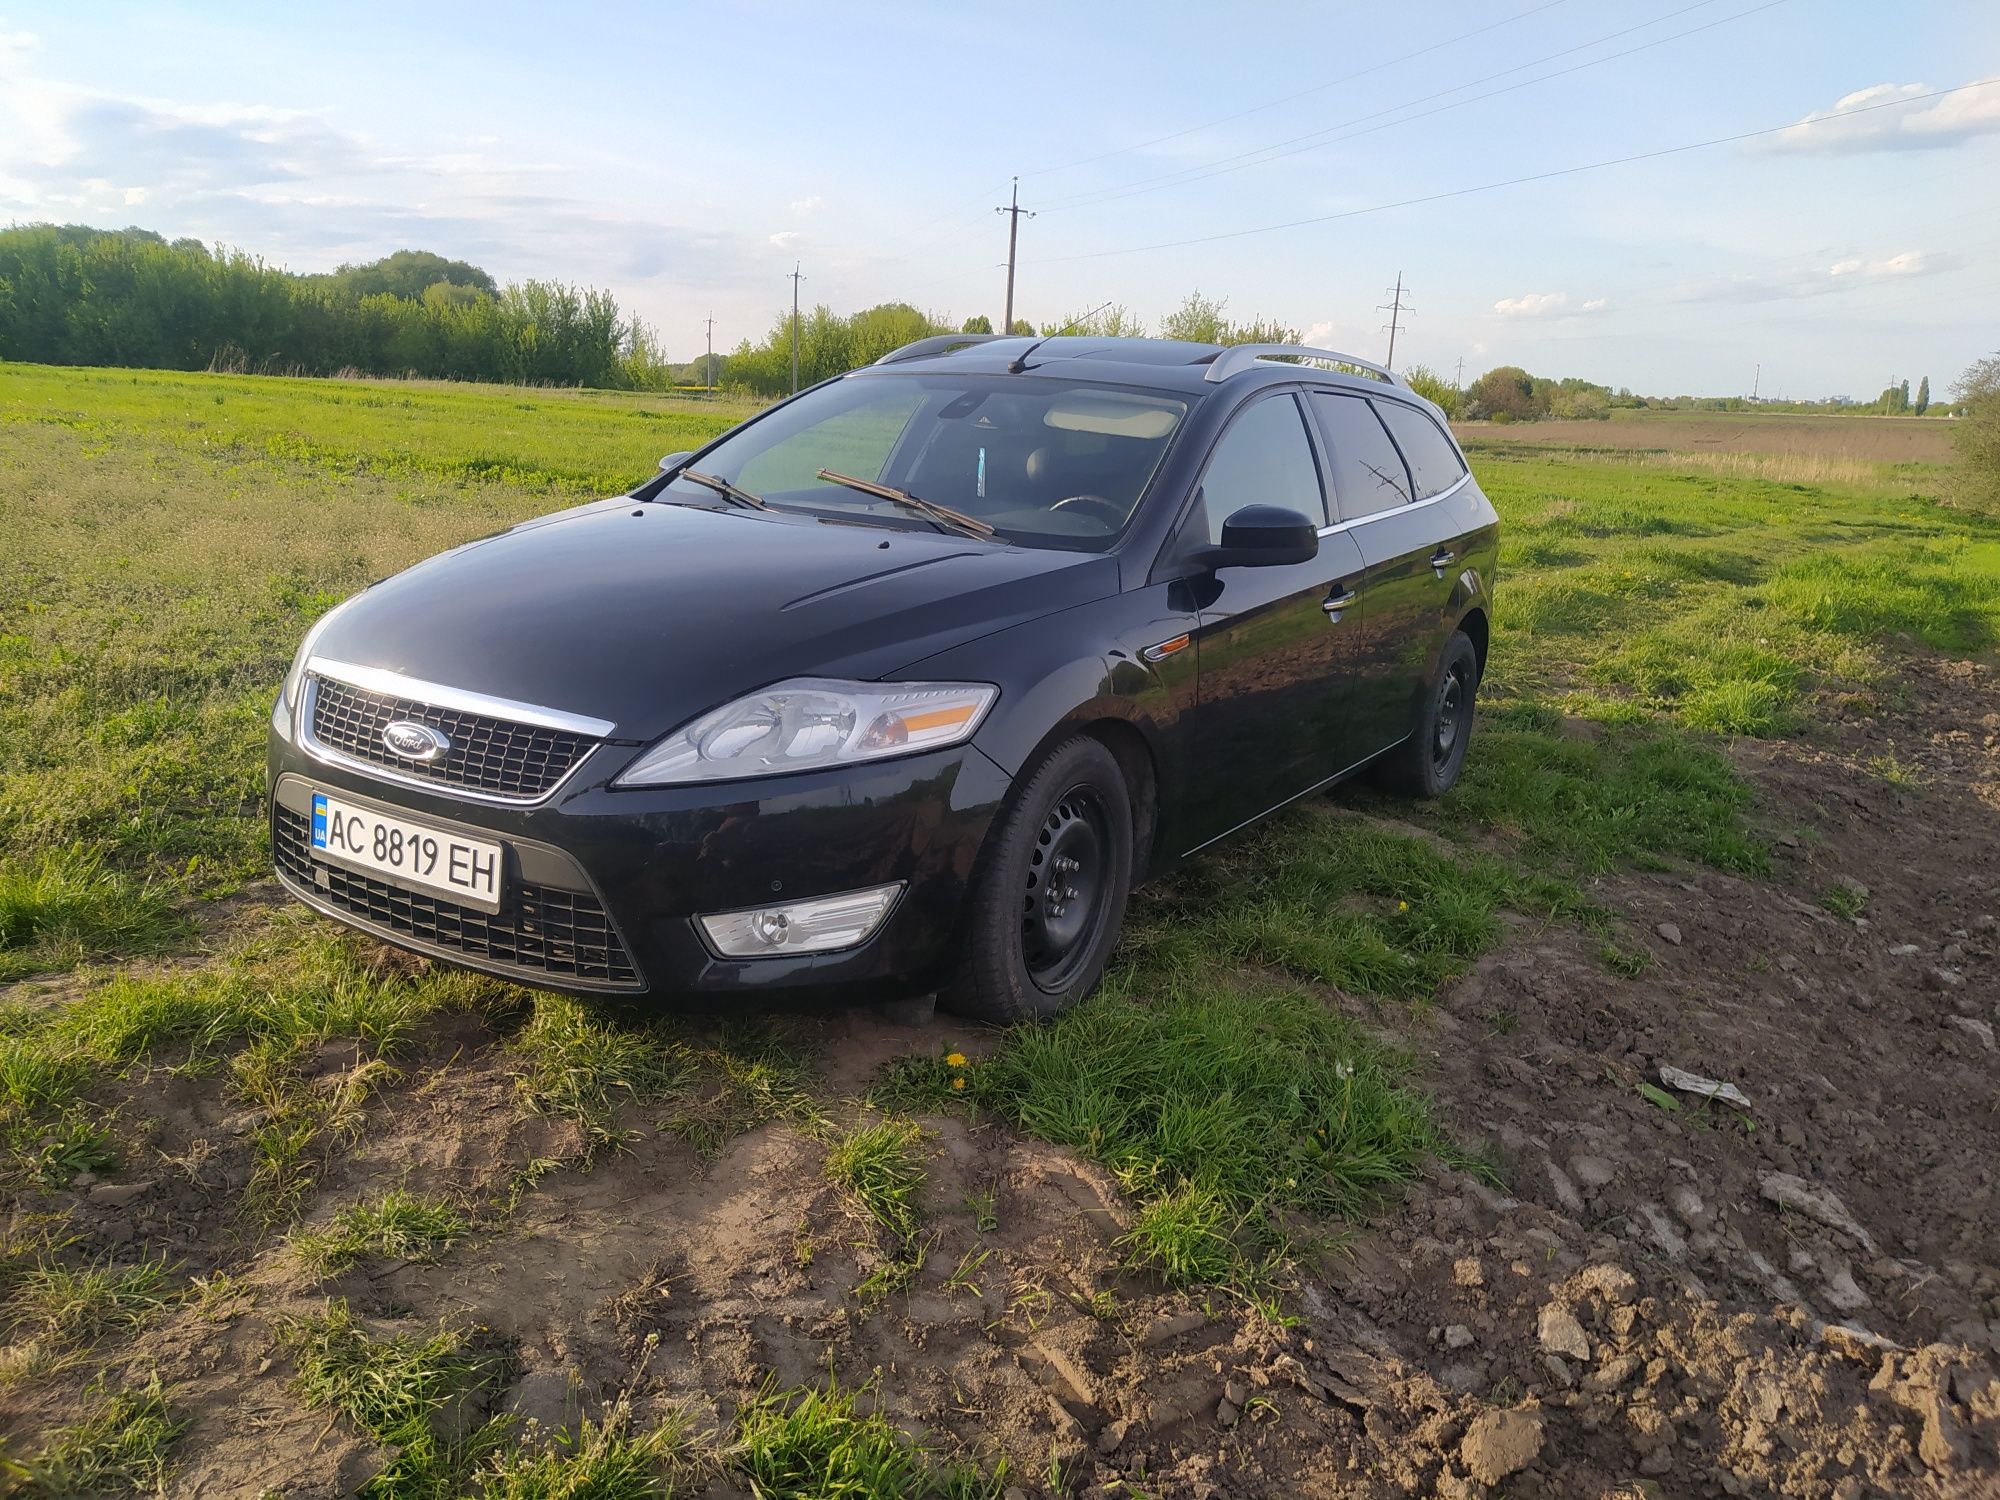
(1669, 932)
(1815, 1202)
(1561, 1333)
(1982, 1031)
(1501, 1443)
(1707, 1088)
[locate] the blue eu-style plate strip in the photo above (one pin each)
(319, 821)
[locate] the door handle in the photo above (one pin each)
(1333, 604)
(1442, 558)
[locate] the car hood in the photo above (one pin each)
(647, 614)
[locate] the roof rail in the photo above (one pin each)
(1236, 356)
(938, 343)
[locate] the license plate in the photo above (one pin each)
(413, 855)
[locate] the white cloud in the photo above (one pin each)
(1909, 263)
(1841, 275)
(1549, 305)
(299, 189)
(785, 239)
(1872, 126)
(1532, 305)
(811, 204)
(1319, 335)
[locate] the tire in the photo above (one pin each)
(1428, 762)
(1033, 949)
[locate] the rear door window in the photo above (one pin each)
(1368, 472)
(1434, 462)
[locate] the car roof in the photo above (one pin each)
(1178, 365)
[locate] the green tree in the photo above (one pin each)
(1103, 322)
(1506, 394)
(1433, 387)
(977, 323)
(1976, 434)
(1199, 320)
(408, 273)
(1923, 401)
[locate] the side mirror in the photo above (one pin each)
(675, 460)
(1262, 536)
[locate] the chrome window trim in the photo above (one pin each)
(1397, 510)
(396, 685)
(327, 755)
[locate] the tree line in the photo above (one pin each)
(73, 295)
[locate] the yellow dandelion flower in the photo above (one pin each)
(958, 1083)
(954, 1059)
(1402, 906)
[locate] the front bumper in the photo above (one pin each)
(602, 886)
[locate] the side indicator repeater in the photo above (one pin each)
(1166, 649)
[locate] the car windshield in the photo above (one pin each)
(1044, 462)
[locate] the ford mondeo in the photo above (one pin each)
(902, 685)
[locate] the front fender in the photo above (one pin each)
(1080, 667)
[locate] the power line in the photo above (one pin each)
(1488, 187)
(1345, 130)
(1013, 210)
(1318, 88)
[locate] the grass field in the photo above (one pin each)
(168, 538)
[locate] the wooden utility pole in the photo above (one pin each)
(1013, 210)
(796, 279)
(708, 367)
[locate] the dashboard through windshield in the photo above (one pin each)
(1049, 463)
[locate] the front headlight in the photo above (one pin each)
(809, 723)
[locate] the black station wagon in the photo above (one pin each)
(902, 685)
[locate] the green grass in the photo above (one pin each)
(1726, 604)
(61, 905)
(578, 1063)
(1223, 1107)
(602, 1460)
(880, 1164)
(167, 541)
(256, 1014)
(399, 1225)
(814, 1444)
(121, 1444)
(64, 1309)
(561, 442)
(406, 1391)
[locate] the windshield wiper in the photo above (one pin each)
(727, 490)
(958, 520)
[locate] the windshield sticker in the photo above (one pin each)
(982, 473)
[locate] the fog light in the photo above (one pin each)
(821, 925)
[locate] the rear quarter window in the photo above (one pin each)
(1434, 463)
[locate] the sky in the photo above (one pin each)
(688, 157)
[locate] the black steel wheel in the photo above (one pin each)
(1429, 761)
(1048, 898)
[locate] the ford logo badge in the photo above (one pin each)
(414, 741)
